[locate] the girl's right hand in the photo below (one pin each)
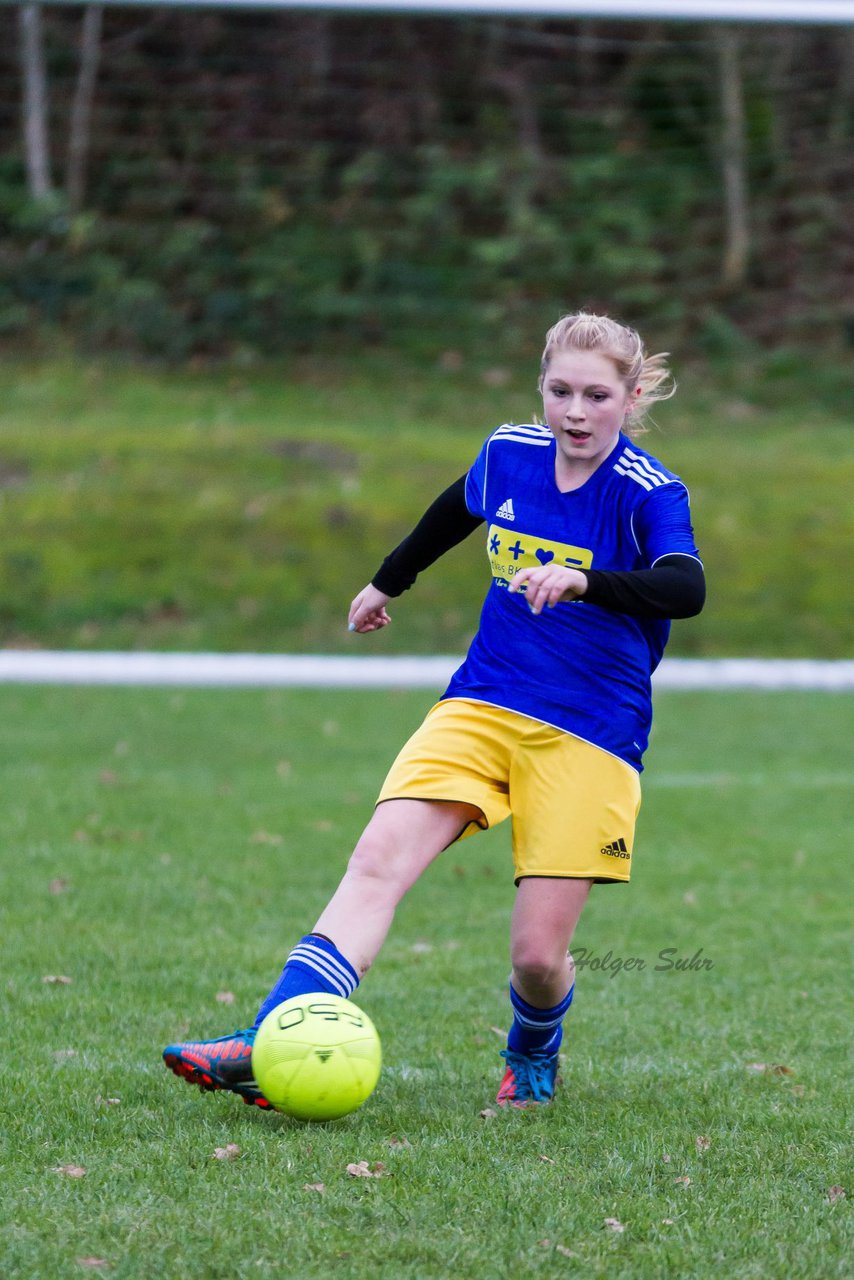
(367, 612)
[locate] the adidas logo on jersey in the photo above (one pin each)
(505, 511)
(616, 849)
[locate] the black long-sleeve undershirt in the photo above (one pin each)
(675, 587)
(446, 522)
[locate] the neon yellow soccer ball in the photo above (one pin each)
(316, 1057)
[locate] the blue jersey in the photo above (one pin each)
(577, 666)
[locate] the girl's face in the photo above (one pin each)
(585, 403)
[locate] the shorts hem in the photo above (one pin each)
(483, 824)
(595, 876)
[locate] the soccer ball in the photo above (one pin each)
(316, 1057)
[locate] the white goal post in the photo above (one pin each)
(768, 11)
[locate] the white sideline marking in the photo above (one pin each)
(271, 670)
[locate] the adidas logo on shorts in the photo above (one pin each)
(505, 511)
(616, 849)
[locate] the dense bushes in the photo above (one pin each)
(260, 181)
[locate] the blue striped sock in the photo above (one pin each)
(536, 1028)
(315, 964)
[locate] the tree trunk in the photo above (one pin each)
(733, 153)
(842, 93)
(34, 104)
(81, 108)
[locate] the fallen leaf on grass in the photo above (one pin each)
(770, 1069)
(614, 1224)
(57, 979)
(92, 1262)
(229, 1152)
(835, 1193)
(363, 1170)
(546, 1159)
(70, 1170)
(224, 997)
(686, 1182)
(319, 1187)
(558, 1248)
(487, 1113)
(702, 1143)
(665, 1158)
(394, 1141)
(59, 885)
(108, 1102)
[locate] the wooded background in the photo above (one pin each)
(178, 182)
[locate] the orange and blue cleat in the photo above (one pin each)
(530, 1078)
(224, 1063)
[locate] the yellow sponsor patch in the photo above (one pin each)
(509, 551)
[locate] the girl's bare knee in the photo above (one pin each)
(371, 859)
(536, 966)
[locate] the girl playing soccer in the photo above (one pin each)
(591, 551)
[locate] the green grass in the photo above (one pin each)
(243, 509)
(164, 846)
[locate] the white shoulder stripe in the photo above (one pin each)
(637, 469)
(523, 428)
(658, 476)
(645, 465)
(633, 475)
(507, 435)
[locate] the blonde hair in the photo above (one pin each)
(647, 378)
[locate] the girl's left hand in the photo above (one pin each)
(549, 585)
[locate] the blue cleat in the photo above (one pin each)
(530, 1078)
(224, 1063)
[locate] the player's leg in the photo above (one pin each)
(398, 844)
(574, 810)
(400, 841)
(542, 983)
(545, 914)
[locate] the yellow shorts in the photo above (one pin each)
(573, 806)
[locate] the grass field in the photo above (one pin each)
(162, 851)
(243, 509)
